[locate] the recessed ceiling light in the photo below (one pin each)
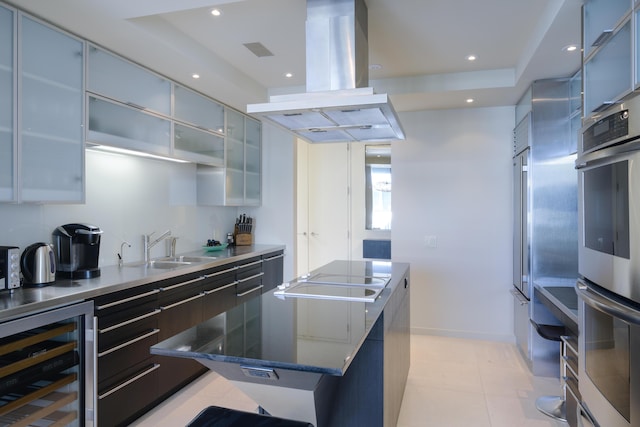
(471, 58)
(570, 48)
(470, 100)
(216, 12)
(288, 75)
(195, 76)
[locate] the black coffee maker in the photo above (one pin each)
(77, 248)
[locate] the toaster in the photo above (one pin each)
(9, 267)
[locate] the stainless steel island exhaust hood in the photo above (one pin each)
(338, 106)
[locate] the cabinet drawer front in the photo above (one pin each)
(127, 353)
(179, 316)
(219, 300)
(128, 399)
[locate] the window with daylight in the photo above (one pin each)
(378, 183)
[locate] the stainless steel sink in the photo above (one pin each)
(165, 265)
(186, 258)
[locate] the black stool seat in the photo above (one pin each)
(550, 332)
(214, 416)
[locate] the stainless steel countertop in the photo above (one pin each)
(29, 300)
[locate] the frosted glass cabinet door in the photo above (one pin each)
(235, 140)
(608, 74)
(119, 79)
(7, 103)
(600, 18)
(51, 114)
(197, 110)
(252, 162)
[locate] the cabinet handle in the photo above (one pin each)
(122, 301)
(251, 277)
(212, 291)
(218, 273)
(130, 321)
(274, 257)
(602, 38)
(184, 301)
(249, 291)
(123, 345)
(250, 264)
(129, 381)
(134, 105)
(603, 106)
(521, 299)
(188, 282)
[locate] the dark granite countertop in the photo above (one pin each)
(29, 300)
(302, 334)
(560, 297)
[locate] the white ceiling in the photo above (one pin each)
(420, 44)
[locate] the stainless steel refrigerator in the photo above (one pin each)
(545, 216)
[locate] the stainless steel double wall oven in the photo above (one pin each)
(608, 167)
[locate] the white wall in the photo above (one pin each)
(452, 180)
(126, 197)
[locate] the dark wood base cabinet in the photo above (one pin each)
(131, 381)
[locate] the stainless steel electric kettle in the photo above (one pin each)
(38, 264)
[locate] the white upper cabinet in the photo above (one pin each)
(50, 114)
(7, 103)
(116, 78)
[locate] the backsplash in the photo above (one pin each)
(126, 197)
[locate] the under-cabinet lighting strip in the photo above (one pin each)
(109, 149)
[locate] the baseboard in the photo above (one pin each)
(464, 334)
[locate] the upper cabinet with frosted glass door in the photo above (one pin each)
(7, 103)
(128, 105)
(238, 182)
(198, 134)
(607, 61)
(50, 114)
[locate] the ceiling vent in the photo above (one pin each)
(338, 105)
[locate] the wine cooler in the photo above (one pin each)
(46, 368)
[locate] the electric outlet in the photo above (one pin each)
(431, 241)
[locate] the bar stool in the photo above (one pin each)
(553, 406)
(215, 416)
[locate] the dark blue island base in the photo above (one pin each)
(325, 362)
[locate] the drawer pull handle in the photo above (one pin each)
(249, 291)
(184, 301)
(178, 285)
(274, 257)
(250, 264)
(218, 273)
(129, 381)
(130, 321)
(251, 277)
(221, 288)
(123, 345)
(122, 301)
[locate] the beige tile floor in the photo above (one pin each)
(452, 382)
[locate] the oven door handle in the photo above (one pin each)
(607, 305)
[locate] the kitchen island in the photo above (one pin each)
(331, 362)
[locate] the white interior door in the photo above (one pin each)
(302, 208)
(328, 214)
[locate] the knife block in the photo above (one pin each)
(243, 239)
